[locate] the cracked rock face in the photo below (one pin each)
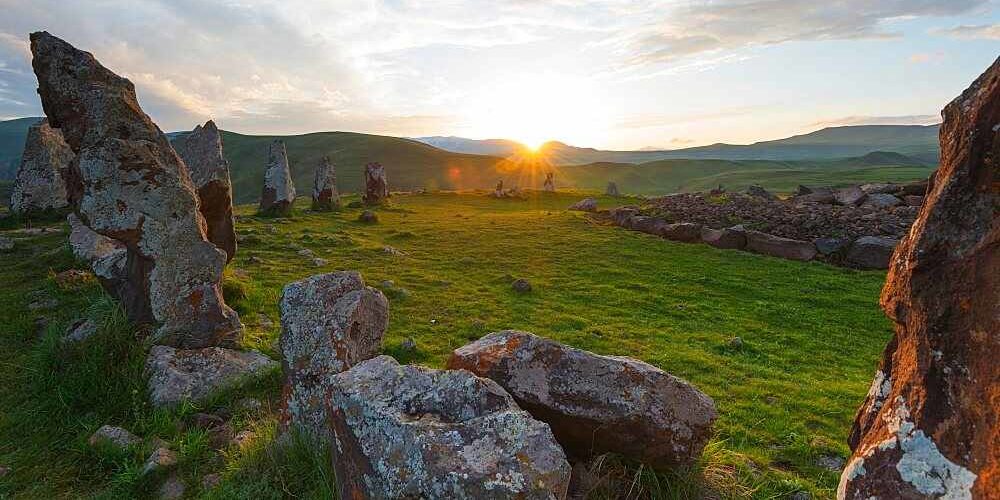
(201, 150)
(40, 183)
(596, 404)
(178, 375)
(376, 184)
(325, 195)
(413, 432)
(135, 189)
(329, 323)
(929, 426)
(279, 190)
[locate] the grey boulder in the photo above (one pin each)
(585, 205)
(178, 375)
(776, 246)
(871, 252)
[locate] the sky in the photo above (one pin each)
(611, 74)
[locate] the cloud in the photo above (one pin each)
(926, 57)
(967, 32)
(879, 120)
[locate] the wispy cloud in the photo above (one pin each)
(926, 57)
(972, 32)
(878, 120)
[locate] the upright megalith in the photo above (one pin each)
(549, 186)
(135, 189)
(929, 427)
(40, 183)
(324, 196)
(201, 150)
(376, 185)
(279, 190)
(612, 189)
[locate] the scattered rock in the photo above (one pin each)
(622, 215)
(871, 252)
(913, 200)
(759, 192)
(201, 150)
(879, 188)
(368, 217)
(724, 238)
(115, 436)
(159, 462)
(521, 285)
(376, 184)
(683, 231)
(171, 489)
(776, 246)
(329, 323)
(39, 184)
(80, 330)
(177, 375)
(850, 196)
(279, 190)
(324, 196)
(596, 404)
(882, 200)
(409, 431)
(928, 426)
(585, 205)
(305, 252)
(831, 246)
(73, 278)
(319, 262)
(549, 186)
(130, 185)
(612, 189)
(736, 343)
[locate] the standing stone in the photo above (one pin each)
(329, 323)
(413, 432)
(929, 427)
(201, 150)
(325, 195)
(135, 189)
(279, 191)
(596, 404)
(376, 184)
(612, 189)
(40, 183)
(550, 185)
(498, 190)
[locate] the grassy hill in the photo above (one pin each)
(12, 135)
(811, 336)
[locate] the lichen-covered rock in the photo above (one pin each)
(178, 375)
(849, 196)
(596, 404)
(730, 238)
(109, 259)
(549, 186)
(777, 246)
(929, 426)
(621, 215)
(135, 189)
(329, 323)
(279, 190)
(114, 436)
(871, 252)
(376, 184)
(612, 189)
(686, 232)
(324, 196)
(412, 432)
(40, 183)
(201, 150)
(585, 205)
(882, 200)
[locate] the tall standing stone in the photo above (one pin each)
(40, 183)
(930, 427)
(279, 191)
(201, 151)
(612, 189)
(376, 184)
(135, 189)
(325, 195)
(550, 185)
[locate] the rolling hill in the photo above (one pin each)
(12, 134)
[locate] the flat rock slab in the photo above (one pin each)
(413, 432)
(585, 205)
(871, 252)
(729, 238)
(177, 375)
(776, 246)
(686, 232)
(596, 404)
(329, 323)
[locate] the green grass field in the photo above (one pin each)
(811, 337)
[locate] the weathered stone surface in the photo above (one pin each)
(913, 200)
(521, 285)
(376, 184)
(325, 196)
(80, 330)
(915, 188)
(279, 190)
(621, 215)
(109, 259)
(871, 252)
(724, 238)
(929, 427)
(115, 436)
(40, 183)
(831, 246)
(879, 188)
(777, 246)
(849, 196)
(882, 200)
(682, 231)
(585, 205)
(159, 462)
(596, 404)
(413, 432)
(646, 224)
(817, 196)
(134, 188)
(612, 189)
(177, 375)
(201, 150)
(329, 323)
(759, 192)
(549, 186)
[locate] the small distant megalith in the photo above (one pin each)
(324, 196)
(596, 404)
(550, 185)
(612, 189)
(201, 150)
(329, 323)
(759, 192)
(498, 191)
(376, 184)
(279, 190)
(413, 432)
(40, 184)
(929, 426)
(135, 189)
(585, 205)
